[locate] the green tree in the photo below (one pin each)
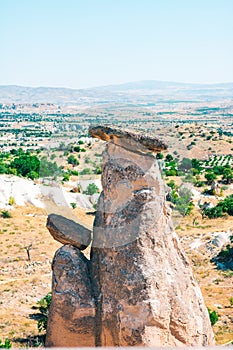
(48, 168)
(196, 165)
(210, 177)
(219, 169)
(26, 163)
(213, 213)
(228, 175)
(224, 206)
(185, 164)
(182, 200)
(3, 168)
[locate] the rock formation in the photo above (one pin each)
(68, 231)
(71, 320)
(139, 277)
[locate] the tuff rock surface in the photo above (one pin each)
(128, 139)
(138, 287)
(68, 231)
(71, 321)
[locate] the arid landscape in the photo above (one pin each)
(116, 173)
(199, 158)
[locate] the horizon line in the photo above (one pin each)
(114, 84)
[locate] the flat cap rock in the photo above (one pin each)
(131, 140)
(67, 231)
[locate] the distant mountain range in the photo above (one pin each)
(148, 90)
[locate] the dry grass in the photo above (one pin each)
(216, 285)
(23, 282)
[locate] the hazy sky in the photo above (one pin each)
(84, 43)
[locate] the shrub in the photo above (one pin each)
(53, 156)
(11, 200)
(98, 169)
(185, 164)
(169, 157)
(159, 156)
(171, 172)
(77, 148)
(213, 317)
(199, 183)
(73, 172)
(225, 253)
(33, 175)
(231, 301)
(172, 184)
(66, 177)
(73, 205)
(87, 160)
(182, 200)
(224, 206)
(213, 213)
(48, 168)
(86, 171)
(6, 344)
(189, 178)
(6, 214)
(43, 305)
(3, 168)
(91, 189)
(72, 160)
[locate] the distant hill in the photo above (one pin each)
(24, 94)
(114, 93)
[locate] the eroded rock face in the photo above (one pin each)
(71, 320)
(145, 291)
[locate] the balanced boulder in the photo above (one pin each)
(68, 231)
